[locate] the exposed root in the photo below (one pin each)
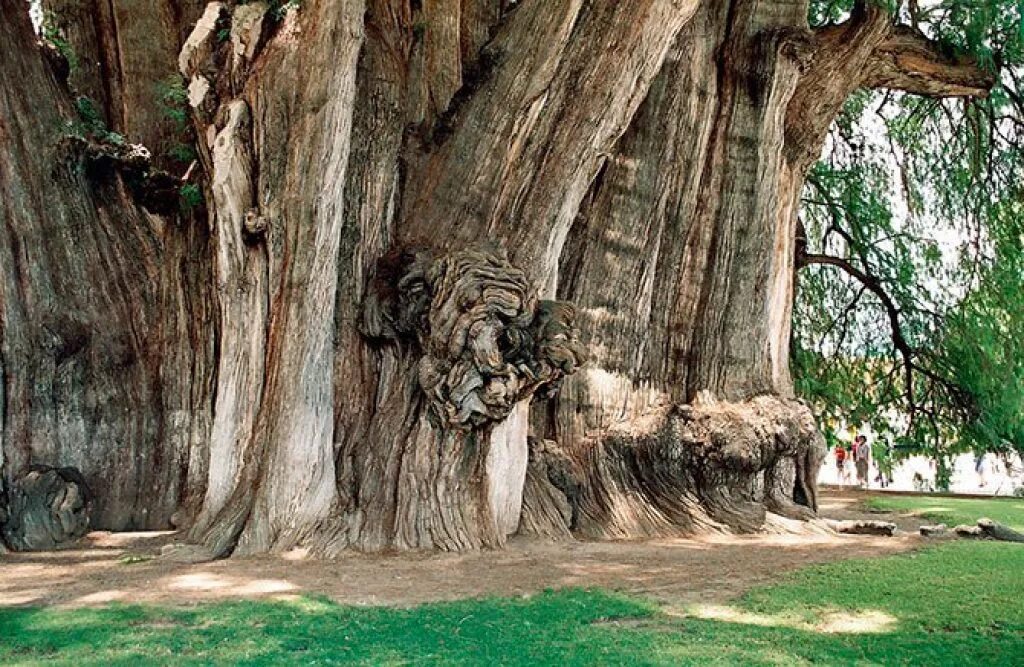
(884, 528)
(551, 494)
(936, 531)
(707, 467)
(987, 529)
(179, 552)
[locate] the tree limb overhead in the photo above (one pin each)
(911, 62)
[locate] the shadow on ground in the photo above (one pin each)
(123, 567)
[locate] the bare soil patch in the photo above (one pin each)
(124, 567)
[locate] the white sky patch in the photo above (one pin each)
(35, 12)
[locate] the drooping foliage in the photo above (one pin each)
(909, 315)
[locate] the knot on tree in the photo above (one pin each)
(45, 508)
(747, 436)
(254, 225)
(486, 342)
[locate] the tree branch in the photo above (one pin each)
(906, 352)
(907, 60)
(834, 71)
(872, 283)
(870, 50)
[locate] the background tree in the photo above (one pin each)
(417, 219)
(914, 241)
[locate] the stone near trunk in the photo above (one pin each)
(939, 530)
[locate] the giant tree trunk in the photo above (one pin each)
(421, 219)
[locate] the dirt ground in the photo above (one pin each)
(125, 567)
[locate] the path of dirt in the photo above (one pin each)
(109, 567)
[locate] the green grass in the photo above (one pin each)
(955, 604)
(953, 511)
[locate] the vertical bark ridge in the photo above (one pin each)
(242, 298)
(372, 192)
(519, 177)
(638, 235)
(764, 60)
(300, 93)
(676, 276)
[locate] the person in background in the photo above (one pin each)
(920, 483)
(862, 459)
(851, 456)
(840, 454)
(883, 459)
(979, 468)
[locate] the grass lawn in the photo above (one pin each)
(953, 511)
(955, 604)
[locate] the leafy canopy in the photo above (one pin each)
(925, 197)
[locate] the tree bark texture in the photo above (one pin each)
(106, 348)
(465, 267)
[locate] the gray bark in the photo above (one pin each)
(46, 508)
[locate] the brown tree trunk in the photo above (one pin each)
(124, 54)
(105, 344)
(362, 340)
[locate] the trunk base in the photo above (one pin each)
(683, 470)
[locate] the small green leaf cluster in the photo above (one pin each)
(52, 35)
(172, 98)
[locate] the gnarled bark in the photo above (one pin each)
(707, 466)
(473, 345)
(46, 507)
(358, 347)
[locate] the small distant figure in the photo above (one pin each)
(883, 460)
(862, 458)
(921, 484)
(851, 458)
(840, 454)
(979, 468)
